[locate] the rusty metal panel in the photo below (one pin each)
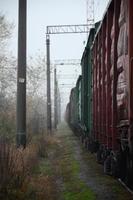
(114, 38)
(122, 65)
(99, 86)
(113, 75)
(108, 83)
(103, 113)
(130, 74)
(97, 82)
(102, 82)
(95, 95)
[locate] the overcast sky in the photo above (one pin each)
(42, 13)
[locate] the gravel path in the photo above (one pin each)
(91, 173)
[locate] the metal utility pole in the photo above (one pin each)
(59, 106)
(21, 76)
(55, 99)
(49, 122)
(90, 12)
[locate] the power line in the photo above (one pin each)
(67, 62)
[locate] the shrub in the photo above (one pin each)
(11, 168)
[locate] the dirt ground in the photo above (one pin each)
(56, 166)
(76, 174)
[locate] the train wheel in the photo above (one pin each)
(129, 171)
(101, 154)
(122, 165)
(115, 166)
(82, 139)
(95, 146)
(86, 143)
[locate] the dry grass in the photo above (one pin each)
(17, 177)
(11, 166)
(30, 158)
(43, 188)
(15, 167)
(12, 169)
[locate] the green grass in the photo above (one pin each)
(44, 167)
(73, 187)
(77, 190)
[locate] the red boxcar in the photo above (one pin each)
(113, 88)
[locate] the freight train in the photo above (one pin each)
(101, 104)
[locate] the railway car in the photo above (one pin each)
(86, 90)
(67, 113)
(112, 89)
(106, 104)
(73, 109)
(78, 101)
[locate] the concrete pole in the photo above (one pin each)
(49, 122)
(59, 107)
(21, 76)
(55, 99)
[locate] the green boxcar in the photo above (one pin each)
(78, 86)
(78, 101)
(86, 84)
(75, 105)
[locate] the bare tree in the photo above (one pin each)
(5, 31)
(36, 94)
(36, 87)
(7, 78)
